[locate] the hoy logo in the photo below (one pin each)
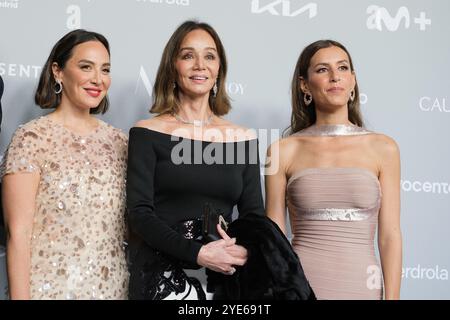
(235, 88)
(379, 16)
(273, 7)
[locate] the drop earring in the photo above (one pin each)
(214, 89)
(307, 98)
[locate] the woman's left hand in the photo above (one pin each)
(236, 250)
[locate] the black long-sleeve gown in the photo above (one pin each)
(2, 231)
(162, 192)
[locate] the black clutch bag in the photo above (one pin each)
(210, 219)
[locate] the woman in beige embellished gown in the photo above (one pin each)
(64, 183)
(339, 182)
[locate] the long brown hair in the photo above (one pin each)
(304, 116)
(165, 94)
(45, 96)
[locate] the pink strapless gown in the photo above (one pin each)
(334, 215)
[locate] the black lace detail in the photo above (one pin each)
(162, 276)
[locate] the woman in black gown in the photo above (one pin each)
(2, 230)
(181, 159)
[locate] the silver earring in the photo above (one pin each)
(58, 87)
(352, 95)
(215, 89)
(174, 84)
(307, 98)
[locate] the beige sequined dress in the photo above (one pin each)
(77, 246)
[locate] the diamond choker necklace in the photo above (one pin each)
(195, 123)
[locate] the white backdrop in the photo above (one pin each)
(401, 52)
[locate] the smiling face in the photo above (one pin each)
(197, 64)
(85, 77)
(330, 78)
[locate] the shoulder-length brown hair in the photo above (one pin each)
(62, 51)
(304, 116)
(165, 94)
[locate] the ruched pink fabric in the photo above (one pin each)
(334, 215)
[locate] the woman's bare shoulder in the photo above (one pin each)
(383, 144)
(288, 146)
(237, 131)
(156, 123)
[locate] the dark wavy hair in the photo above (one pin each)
(304, 116)
(165, 96)
(45, 96)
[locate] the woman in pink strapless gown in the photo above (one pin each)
(339, 181)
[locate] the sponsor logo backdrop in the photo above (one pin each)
(400, 52)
